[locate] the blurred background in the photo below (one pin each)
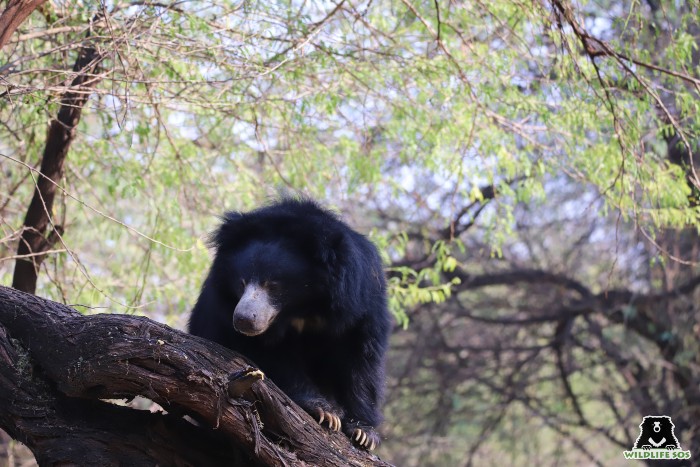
(525, 167)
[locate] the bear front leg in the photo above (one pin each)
(319, 408)
(362, 394)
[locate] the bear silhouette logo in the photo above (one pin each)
(656, 432)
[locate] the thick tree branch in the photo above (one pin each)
(117, 356)
(531, 276)
(61, 430)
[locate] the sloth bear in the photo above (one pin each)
(303, 295)
(656, 432)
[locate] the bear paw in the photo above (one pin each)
(671, 448)
(364, 436)
(646, 447)
(332, 419)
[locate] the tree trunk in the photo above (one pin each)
(16, 12)
(34, 242)
(56, 365)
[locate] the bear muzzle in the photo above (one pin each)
(255, 312)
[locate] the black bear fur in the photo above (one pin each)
(308, 298)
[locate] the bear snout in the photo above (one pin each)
(254, 313)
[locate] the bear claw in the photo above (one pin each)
(332, 419)
(363, 439)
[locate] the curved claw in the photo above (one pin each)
(332, 419)
(364, 439)
(360, 436)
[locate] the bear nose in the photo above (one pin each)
(657, 427)
(244, 324)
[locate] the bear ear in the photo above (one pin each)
(230, 231)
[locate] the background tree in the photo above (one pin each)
(527, 168)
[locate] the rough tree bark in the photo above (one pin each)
(16, 12)
(34, 241)
(57, 366)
